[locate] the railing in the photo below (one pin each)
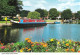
(31, 20)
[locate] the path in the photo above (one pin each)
(3, 24)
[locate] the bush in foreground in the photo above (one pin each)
(52, 45)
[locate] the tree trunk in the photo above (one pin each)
(0, 18)
(12, 16)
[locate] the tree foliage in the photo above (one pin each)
(34, 15)
(17, 4)
(43, 13)
(10, 7)
(53, 13)
(24, 13)
(77, 15)
(40, 11)
(66, 14)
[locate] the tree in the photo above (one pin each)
(24, 13)
(34, 15)
(4, 8)
(66, 14)
(17, 4)
(53, 13)
(77, 15)
(8, 9)
(45, 13)
(41, 11)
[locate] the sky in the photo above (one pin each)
(60, 5)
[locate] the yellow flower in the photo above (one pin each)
(26, 47)
(58, 42)
(36, 42)
(67, 44)
(52, 40)
(32, 42)
(21, 50)
(26, 38)
(45, 45)
(66, 49)
(29, 41)
(70, 41)
(63, 42)
(42, 43)
(29, 49)
(72, 50)
(79, 45)
(32, 45)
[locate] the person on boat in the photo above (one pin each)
(19, 18)
(62, 20)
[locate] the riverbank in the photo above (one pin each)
(53, 45)
(52, 21)
(48, 22)
(4, 24)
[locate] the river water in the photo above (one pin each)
(43, 33)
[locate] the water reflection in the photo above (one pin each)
(34, 33)
(10, 34)
(43, 33)
(7, 35)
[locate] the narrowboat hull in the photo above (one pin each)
(28, 24)
(57, 22)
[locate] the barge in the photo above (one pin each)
(57, 22)
(28, 23)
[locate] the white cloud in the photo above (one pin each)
(65, 4)
(69, 4)
(75, 3)
(44, 4)
(27, 3)
(66, 0)
(35, 3)
(40, 6)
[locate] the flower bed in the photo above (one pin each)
(52, 45)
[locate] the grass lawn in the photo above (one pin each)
(49, 20)
(4, 21)
(79, 21)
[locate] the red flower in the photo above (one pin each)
(78, 51)
(76, 42)
(1, 43)
(14, 51)
(3, 47)
(37, 44)
(9, 48)
(12, 43)
(46, 50)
